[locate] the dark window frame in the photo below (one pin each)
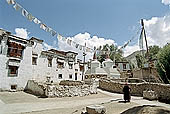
(12, 71)
(60, 76)
(70, 76)
(34, 60)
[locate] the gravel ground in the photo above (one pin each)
(23, 103)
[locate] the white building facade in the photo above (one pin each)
(22, 60)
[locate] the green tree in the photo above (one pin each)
(153, 51)
(113, 52)
(163, 65)
(139, 60)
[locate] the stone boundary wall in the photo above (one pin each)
(53, 90)
(162, 90)
(70, 83)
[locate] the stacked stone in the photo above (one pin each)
(70, 91)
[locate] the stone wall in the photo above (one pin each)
(54, 90)
(162, 90)
(147, 74)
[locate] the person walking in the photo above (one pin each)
(126, 92)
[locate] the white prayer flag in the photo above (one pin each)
(36, 21)
(59, 37)
(30, 17)
(141, 39)
(10, 1)
(43, 26)
(24, 12)
(17, 7)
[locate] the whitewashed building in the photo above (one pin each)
(98, 70)
(22, 60)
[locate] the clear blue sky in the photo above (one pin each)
(112, 19)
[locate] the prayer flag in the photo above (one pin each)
(53, 33)
(48, 29)
(24, 12)
(141, 39)
(69, 41)
(77, 45)
(80, 47)
(30, 17)
(43, 26)
(59, 37)
(73, 43)
(64, 39)
(36, 21)
(17, 7)
(10, 1)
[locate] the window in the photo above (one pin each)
(70, 76)
(76, 69)
(13, 71)
(59, 76)
(60, 65)
(49, 62)
(15, 50)
(124, 66)
(14, 87)
(34, 60)
(70, 66)
(75, 76)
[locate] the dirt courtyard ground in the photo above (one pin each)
(23, 103)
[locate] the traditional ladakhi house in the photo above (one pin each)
(22, 60)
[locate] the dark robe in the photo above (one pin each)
(126, 91)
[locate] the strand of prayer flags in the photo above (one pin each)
(44, 27)
(74, 44)
(30, 17)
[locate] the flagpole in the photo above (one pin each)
(84, 55)
(147, 51)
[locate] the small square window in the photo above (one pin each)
(34, 60)
(59, 76)
(70, 76)
(13, 87)
(13, 71)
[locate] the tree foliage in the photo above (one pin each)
(163, 65)
(153, 51)
(112, 50)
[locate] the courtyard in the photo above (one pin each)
(23, 103)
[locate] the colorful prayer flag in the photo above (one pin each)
(64, 39)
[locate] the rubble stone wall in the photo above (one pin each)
(162, 90)
(53, 90)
